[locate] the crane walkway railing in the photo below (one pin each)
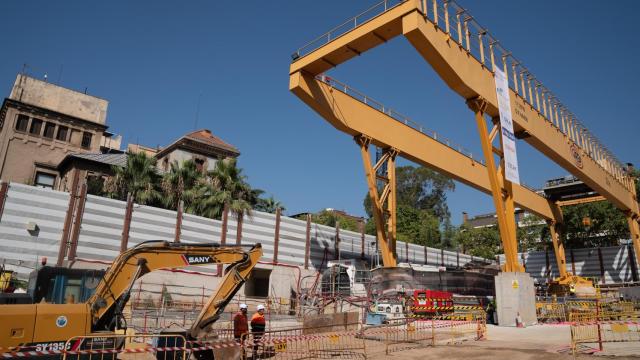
(357, 95)
(461, 27)
(346, 26)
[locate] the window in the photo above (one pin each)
(199, 164)
(62, 134)
(22, 122)
(86, 140)
(45, 180)
(36, 127)
(49, 130)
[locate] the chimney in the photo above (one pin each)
(630, 167)
(465, 217)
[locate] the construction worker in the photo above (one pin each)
(258, 325)
(240, 323)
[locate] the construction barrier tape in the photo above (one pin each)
(266, 339)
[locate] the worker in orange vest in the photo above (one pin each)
(258, 325)
(240, 322)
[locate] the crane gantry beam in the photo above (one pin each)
(465, 56)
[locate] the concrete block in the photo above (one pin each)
(515, 294)
(631, 293)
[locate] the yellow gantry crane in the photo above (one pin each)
(466, 57)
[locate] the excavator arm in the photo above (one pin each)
(235, 275)
(113, 291)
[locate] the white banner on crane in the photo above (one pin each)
(506, 124)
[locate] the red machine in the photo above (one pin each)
(431, 302)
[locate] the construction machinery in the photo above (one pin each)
(45, 326)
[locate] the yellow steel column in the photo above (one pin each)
(558, 248)
(388, 252)
(634, 230)
(391, 202)
(506, 227)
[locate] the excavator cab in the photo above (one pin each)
(56, 285)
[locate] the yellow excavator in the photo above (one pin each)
(47, 326)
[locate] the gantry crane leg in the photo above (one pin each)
(556, 240)
(500, 187)
(634, 231)
(566, 281)
(386, 237)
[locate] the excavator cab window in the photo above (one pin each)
(58, 285)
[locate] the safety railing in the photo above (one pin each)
(551, 312)
(109, 346)
(359, 342)
(462, 28)
(346, 26)
(344, 88)
(304, 342)
(601, 332)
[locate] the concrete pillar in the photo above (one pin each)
(515, 294)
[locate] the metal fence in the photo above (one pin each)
(96, 231)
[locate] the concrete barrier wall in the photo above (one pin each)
(98, 231)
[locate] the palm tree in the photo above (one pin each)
(138, 177)
(269, 205)
(226, 186)
(181, 183)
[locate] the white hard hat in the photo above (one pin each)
(243, 306)
(260, 307)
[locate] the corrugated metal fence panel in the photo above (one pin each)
(21, 250)
(101, 229)
(257, 228)
(616, 262)
(350, 244)
(293, 238)
(587, 262)
(150, 223)
(416, 253)
(322, 245)
(536, 264)
(196, 229)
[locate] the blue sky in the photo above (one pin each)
(153, 60)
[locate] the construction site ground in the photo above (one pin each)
(530, 343)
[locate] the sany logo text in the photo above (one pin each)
(199, 259)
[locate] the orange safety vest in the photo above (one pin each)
(240, 324)
(258, 323)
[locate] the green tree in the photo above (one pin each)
(417, 226)
(593, 224)
(484, 242)
(532, 233)
(226, 185)
(331, 218)
(181, 183)
(422, 207)
(269, 205)
(139, 177)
